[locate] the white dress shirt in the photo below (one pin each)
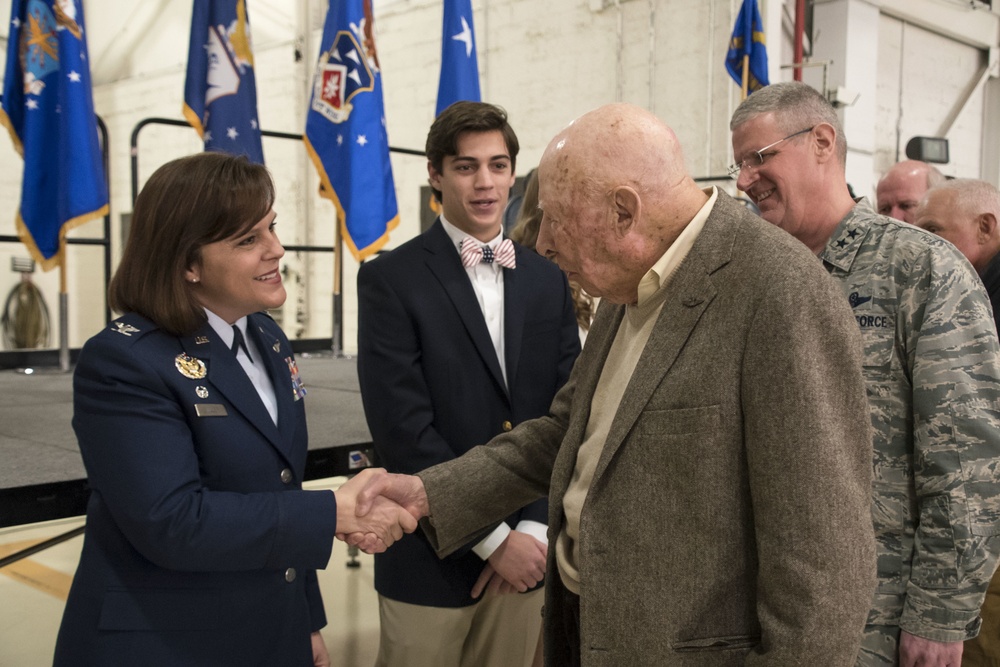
(253, 365)
(487, 283)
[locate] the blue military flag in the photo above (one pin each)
(220, 92)
(459, 66)
(49, 110)
(747, 56)
(345, 129)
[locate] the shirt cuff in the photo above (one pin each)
(937, 623)
(537, 530)
(490, 543)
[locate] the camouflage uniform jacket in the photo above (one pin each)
(933, 373)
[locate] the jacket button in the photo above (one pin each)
(507, 425)
(290, 575)
(286, 475)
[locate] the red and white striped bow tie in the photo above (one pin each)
(474, 252)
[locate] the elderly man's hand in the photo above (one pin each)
(406, 490)
(374, 526)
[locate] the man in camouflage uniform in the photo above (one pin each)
(931, 366)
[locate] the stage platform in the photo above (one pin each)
(37, 444)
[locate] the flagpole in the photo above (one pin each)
(746, 74)
(338, 303)
(63, 315)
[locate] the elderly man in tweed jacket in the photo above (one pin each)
(708, 464)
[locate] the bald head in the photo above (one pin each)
(614, 194)
(619, 144)
(965, 212)
(903, 186)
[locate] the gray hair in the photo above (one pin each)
(973, 196)
(795, 106)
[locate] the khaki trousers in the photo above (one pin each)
(499, 631)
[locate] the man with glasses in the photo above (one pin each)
(931, 366)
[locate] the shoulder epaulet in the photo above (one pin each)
(130, 326)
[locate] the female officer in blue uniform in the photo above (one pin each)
(200, 546)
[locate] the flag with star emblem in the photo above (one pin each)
(746, 60)
(345, 129)
(459, 67)
(220, 92)
(48, 108)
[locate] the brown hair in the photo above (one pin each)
(525, 232)
(529, 217)
(185, 205)
(461, 117)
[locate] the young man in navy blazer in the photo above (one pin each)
(462, 335)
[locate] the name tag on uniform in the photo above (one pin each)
(210, 409)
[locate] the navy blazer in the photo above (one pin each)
(200, 546)
(432, 386)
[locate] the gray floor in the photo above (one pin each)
(37, 444)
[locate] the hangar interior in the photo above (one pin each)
(896, 69)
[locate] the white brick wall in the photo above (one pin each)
(545, 61)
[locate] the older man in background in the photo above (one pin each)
(932, 369)
(903, 186)
(965, 212)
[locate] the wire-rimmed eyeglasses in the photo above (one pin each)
(756, 158)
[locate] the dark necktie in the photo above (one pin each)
(238, 342)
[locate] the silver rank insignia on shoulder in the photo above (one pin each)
(201, 340)
(190, 367)
(276, 347)
(202, 392)
(124, 329)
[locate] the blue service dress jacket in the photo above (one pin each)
(433, 389)
(200, 546)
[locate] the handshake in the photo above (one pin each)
(375, 508)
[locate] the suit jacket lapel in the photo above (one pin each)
(228, 377)
(677, 320)
(689, 295)
(515, 304)
(275, 356)
(444, 262)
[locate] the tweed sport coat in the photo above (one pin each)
(728, 521)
